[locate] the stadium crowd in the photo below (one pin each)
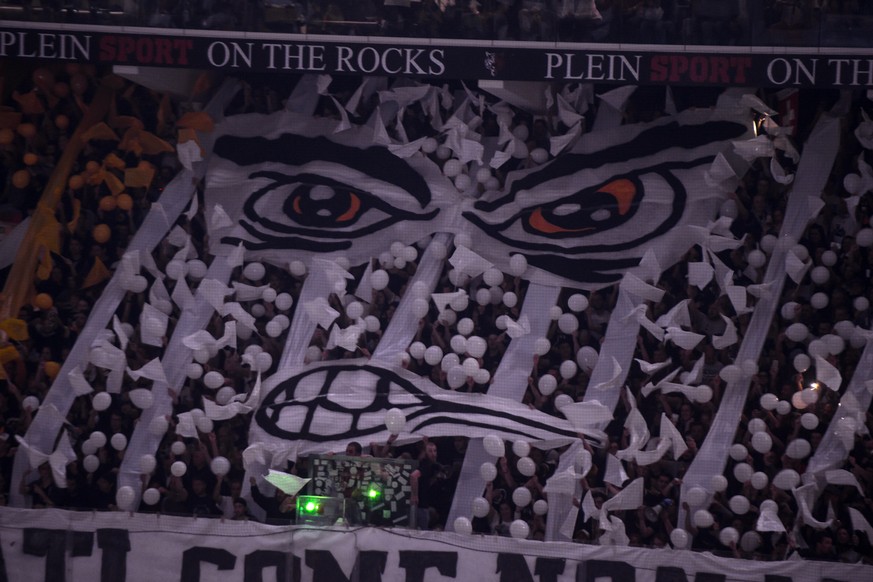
(733, 22)
(96, 221)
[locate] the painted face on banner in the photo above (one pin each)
(587, 217)
(300, 191)
(581, 220)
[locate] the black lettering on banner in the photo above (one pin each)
(513, 568)
(675, 574)
(368, 567)
(416, 563)
(591, 570)
(260, 559)
(115, 544)
(54, 545)
(192, 557)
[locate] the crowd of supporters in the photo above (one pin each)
(35, 341)
(798, 22)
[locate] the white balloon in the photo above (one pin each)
(452, 168)
(224, 395)
(220, 466)
(465, 326)
(458, 344)
(526, 466)
(476, 346)
(517, 265)
(460, 303)
(731, 373)
(151, 496)
(178, 468)
(562, 400)
(519, 529)
(420, 308)
(769, 401)
(395, 420)
(483, 296)
(786, 479)
(555, 312)
(379, 280)
(768, 243)
(213, 380)
(488, 472)
(844, 329)
(177, 448)
(481, 507)
(762, 442)
(750, 541)
(263, 361)
(471, 366)
(521, 497)
(254, 271)
(447, 317)
(269, 295)
(757, 258)
(703, 518)
(759, 480)
(372, 323)
(757, 425)
(433, 355)
(510, 299)
(429, 145)
(463, 526)
(547, 384)
(790, 310)
(542, 346)
(88, 447)
(801, 363)
(201, 355)
(861, 303)
(809, 421)
(313, 354)
(797, 332)
(297, 268)
(147, 464)
(257, 310)
(738, 452)
(493, 277)
(728, 536)
(568, 369)
(829, 258)
(739, 504)
(482, 174)
(118, 441)
(125, 497)
(783, 407)
(864, 237)
(494, 445)
(91, 463)
(482, 376)
(138, 284)
(158, 426)
(819, 275)
(586, 357)
(743, 472)
(274, 328)
(798, 449)
(801, 252)
(719, 483)
(284, 301)
(521, 448)
(539, 155)
(577, 302)
(196, 269)
(416, 350)
(194, 370)
(834, 343)
(819, 300)
(679, 538)
(100, 402)
(817, 348)
(568, 323)
(449, 362)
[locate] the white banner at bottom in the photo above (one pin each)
(57, 546)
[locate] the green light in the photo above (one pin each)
(310, 507)
(373, 493)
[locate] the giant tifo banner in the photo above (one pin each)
(56, 545)
(439, 58)
(341, 207)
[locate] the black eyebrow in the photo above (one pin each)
(647, 143)
(290, 148)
